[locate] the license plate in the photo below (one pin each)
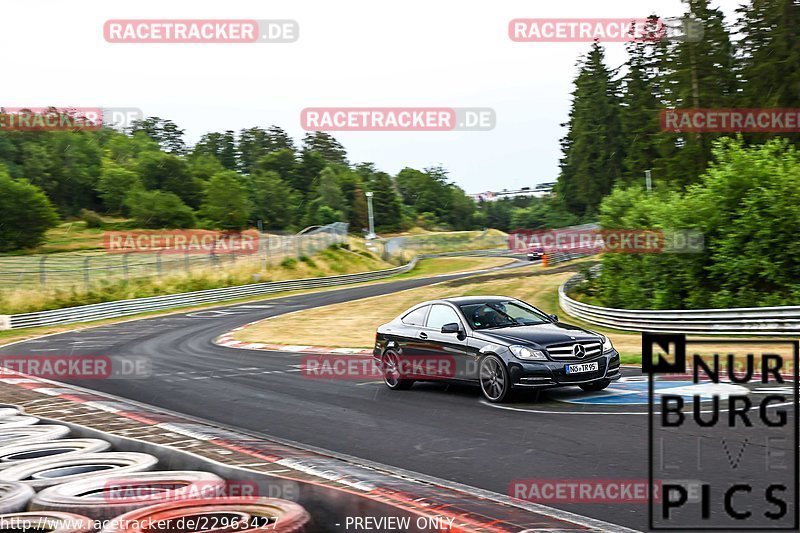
(582, 367)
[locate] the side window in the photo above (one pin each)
(416, 317)
(441, 315)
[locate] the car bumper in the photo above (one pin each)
(554, 374)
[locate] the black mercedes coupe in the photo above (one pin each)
(497, 342)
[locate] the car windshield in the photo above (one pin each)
(502, 314)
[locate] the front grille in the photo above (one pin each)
(564, 352)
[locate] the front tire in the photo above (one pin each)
(390, 362)
(494, 380)
(595, 386)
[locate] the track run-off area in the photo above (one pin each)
(439, 430)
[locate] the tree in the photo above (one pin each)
(255, 143)
(639, 115)
(327, 215)
(283, 163)
(227, 154)
(697, 73)
(165, 132)
(325, 145)
(65, 165)
(203, 167)
(311, 164)
(593, 147)
(225, 202)
(461, 211)
(355, 201)
(329, 191)
(124, 149)
(274, 202)
(25, 214)
(168, 172)
(426, 192)
(159, 209)
(769, 55)
(385, 203)
(327, 194)
(115, 184)
(221, 146)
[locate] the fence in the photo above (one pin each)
(66, 270)
(86, 313)
(778, 321)
(406, 247)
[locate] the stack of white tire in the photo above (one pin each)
(54, 483)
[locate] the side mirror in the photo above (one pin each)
(452, 327)
(554, 317)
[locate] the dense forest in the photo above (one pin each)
(148, 174)
(741, 190)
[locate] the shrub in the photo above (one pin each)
(25, 214)
(91, 218)
(307, 260)
(158, 209)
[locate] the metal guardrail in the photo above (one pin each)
(119, 308)
(780, 321)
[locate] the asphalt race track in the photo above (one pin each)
(439, 430)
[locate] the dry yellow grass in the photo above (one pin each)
(352, 324)
(326, 262)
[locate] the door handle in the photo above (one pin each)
(423, 335)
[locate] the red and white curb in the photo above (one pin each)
(228, 340)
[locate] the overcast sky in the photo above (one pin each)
(357, 53)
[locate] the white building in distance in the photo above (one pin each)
(543, 189)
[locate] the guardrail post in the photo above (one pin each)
(42, 271)
(158, 263)
(186, 260)
(125, 265)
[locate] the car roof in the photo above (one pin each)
(466, 300)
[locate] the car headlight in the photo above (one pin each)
(607, 346)
(529, 354)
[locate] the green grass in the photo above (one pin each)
(445, 265)
(451, 241)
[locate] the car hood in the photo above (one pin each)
(542, 334)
